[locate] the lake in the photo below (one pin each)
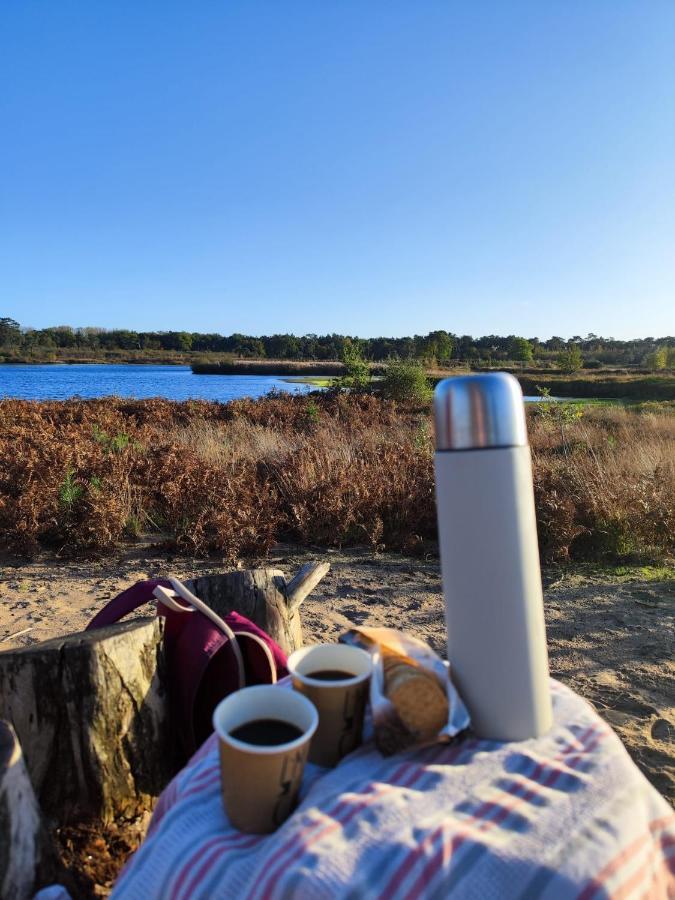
(59, 382)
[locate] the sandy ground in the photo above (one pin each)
(610, 639)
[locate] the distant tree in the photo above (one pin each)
(404, 348)
(10, 333)
(61, 336)
(44, 338)
(282, 346)
(123, 339)
(466, 347)
(438, 346)
(657, 359)
(183, 340)
(570, 360)
(520, 349)
(249, 347)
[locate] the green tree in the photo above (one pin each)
(437, 346)
(357, 376)
(570, 360)
(249, 347)
(657, 359)
(10, 333)
(520, 349)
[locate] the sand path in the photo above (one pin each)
(611, 640)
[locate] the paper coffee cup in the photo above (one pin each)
(260, 782)
(341, 703)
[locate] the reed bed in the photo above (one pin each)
(330, 470)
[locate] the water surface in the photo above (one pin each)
(61, 382)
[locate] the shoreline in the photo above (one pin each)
(602, 386)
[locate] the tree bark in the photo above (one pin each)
(264, 597)
(27, 858)
(91, 713)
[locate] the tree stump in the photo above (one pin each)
(264, 597)
(27, 858)
(91, 710)
(91, 713)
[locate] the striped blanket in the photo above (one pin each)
(567, 815)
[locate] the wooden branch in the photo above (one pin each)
(15, 634)
(27, 858)
(91, 713)
(304, 582)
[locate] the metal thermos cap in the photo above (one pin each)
(479, 411)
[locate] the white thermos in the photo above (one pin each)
(489, 556)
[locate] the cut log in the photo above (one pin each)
(91, 712)
(27, 858)
(264, 597)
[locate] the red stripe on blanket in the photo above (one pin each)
(597, 884)
(463, 834)
(407, 775)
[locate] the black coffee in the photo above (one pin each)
(330, 675)
(267, 732)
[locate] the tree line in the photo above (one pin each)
(438, 346)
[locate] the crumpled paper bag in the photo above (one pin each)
(413, 701)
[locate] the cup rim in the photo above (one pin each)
(263, 749)
(302, 652)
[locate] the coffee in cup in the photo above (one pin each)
(263, 737)
(335, 677)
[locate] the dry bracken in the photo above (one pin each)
(81, 476)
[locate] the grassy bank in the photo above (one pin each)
(109, 357)
(277, 367)
(329, 470)
(604, 386)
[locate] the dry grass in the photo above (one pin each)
(234, 478)
(605, 484)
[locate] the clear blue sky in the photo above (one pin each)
(332, 165)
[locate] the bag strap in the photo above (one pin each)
(264, 646)
(169, 601)
(125, 603)
(195, 604)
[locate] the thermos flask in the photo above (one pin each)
(489, 556)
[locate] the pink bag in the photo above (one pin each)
(206, 661)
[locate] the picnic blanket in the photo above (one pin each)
(566, 815)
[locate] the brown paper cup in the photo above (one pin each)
(260, 784)
(341, 704)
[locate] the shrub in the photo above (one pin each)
(357, 375)
(406, 381)
(570, 360)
